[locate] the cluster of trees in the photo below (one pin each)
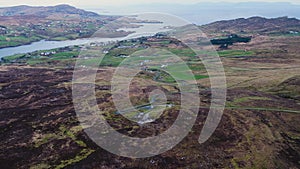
(230, 40)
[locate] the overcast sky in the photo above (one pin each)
(99, 3)
(194, 13)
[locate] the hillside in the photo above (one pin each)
(259, 25)
(15, 16)
(259, 129)
(26, 24)
(39, 127)
(49, 11)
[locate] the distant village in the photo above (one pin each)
(52, 29)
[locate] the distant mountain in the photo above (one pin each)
(255, 25)
(45, 11)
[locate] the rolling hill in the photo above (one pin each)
(255, 25)
(26, 24)
(24, 10)
(17, 15)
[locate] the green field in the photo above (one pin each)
(235, 53)
(7, 41)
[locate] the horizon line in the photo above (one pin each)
(150, 3)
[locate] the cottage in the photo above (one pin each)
(3, 30)
(164, 66)
(123, 56)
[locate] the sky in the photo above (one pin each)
(195, 11)
(95, 3)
